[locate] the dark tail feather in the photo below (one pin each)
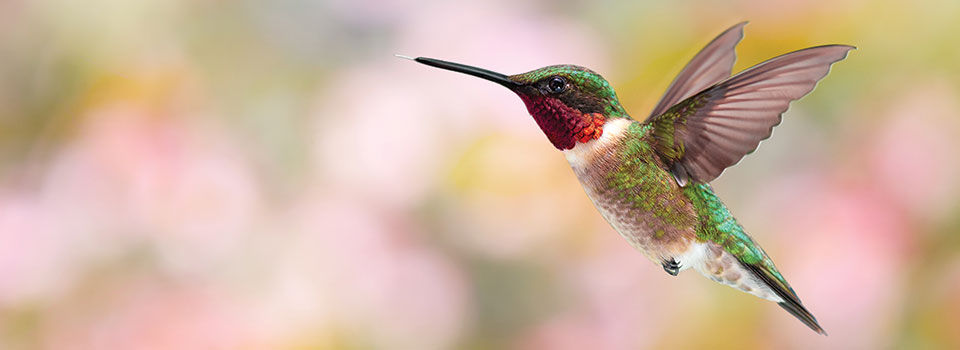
(803, 315)
(790, 302)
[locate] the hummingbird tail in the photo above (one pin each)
(803, 315)
(790, 302)
(760, 279)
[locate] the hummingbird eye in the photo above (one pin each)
(556, 85)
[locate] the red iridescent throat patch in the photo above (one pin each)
(564, 126)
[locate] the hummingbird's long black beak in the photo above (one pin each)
(465, 69)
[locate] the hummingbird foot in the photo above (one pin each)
(671, 266)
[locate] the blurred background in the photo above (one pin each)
(266, 175)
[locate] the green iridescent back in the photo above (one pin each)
(719, 226)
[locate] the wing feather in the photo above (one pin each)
(712, 64)
(712, 130)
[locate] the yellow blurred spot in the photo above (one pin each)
(151, 87)
(509, 166)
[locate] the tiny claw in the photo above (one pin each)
(671, 266)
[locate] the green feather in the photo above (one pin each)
(589, 81)
(718, 225)
(668, 126)
(642, 183)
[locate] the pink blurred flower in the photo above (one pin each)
(375, 139)
(913, 156)
(174, 182)
(350, 266)
(619, 301)
(127, 179)
(35, 259)
(846, 259)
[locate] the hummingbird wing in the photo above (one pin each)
(712, 130)
(712, 64)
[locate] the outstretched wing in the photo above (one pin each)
(712, 130)
(712, 64)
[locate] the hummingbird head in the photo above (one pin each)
(569, 103)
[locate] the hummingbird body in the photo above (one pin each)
(630, 187)
(650, 179)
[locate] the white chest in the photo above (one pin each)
(583, 154)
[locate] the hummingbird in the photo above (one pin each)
(650, 179)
